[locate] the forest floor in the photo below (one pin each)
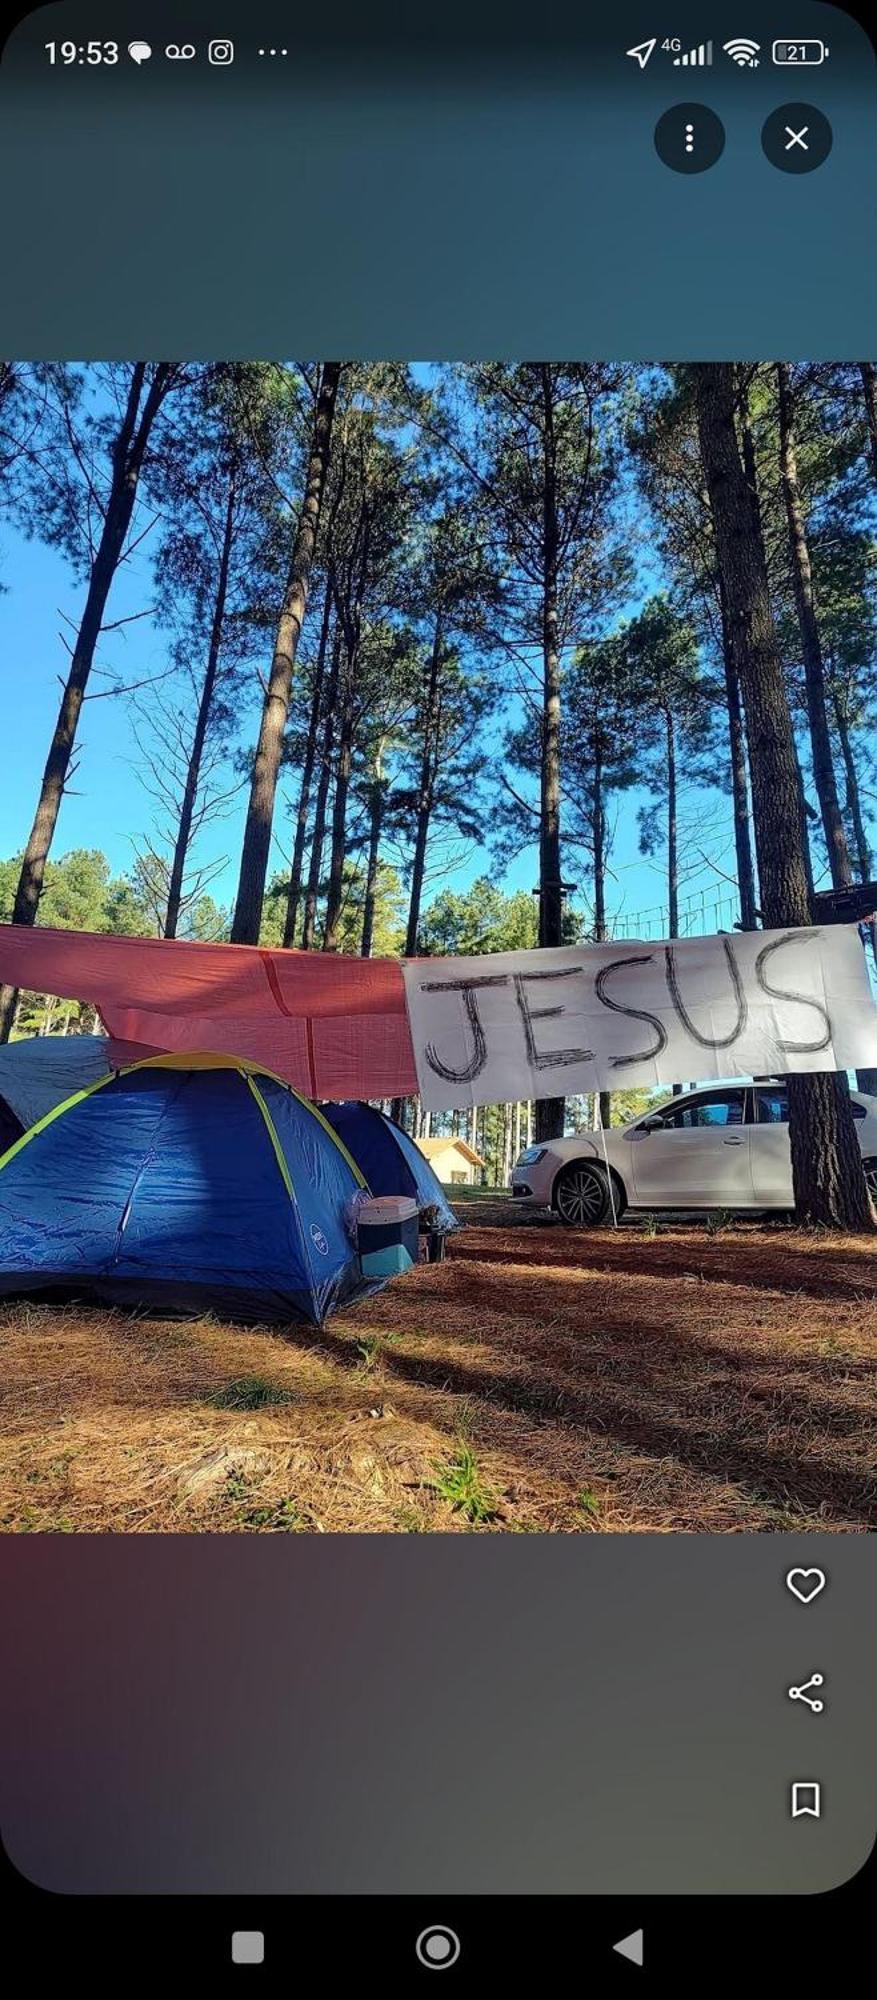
(541, 1379)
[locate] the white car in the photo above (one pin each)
(724, 1147)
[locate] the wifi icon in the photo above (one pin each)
(743, 51)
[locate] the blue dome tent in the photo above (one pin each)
(184, 1183)
(392, 1162)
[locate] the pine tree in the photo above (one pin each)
(275, 707)
(828, 1176)
(89, 515)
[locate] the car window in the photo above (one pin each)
(715, 1108)
(773, 1106)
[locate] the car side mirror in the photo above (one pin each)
(654, 1124)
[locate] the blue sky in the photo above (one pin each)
(108, 808)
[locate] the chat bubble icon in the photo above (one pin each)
(139, 52)
(806, 1799)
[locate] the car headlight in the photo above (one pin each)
(533, 1153)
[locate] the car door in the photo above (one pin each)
(697, 1156)
(769, 1146)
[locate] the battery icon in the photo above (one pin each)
(800, 54)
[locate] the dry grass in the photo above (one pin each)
(540, 1380)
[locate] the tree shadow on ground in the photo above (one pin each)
(554, 1310)
(716, 1443)
(751, 1267)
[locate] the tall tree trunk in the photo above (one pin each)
(805, 814)
(350, 614)
(672, 837)
(338, 855)
(598, 846)
(751, 472)
(128, 453)
(275, 709)
(377, 801)
(550, 1111)
(827, 1170)
(426, 788)
(598, 836)
(293, 894)
(202, 723)
(672, 824)
(315, 867)
(853, 799)
(866, 1078)
(869, 384)
(739, 785)
(811, 645)
(418, 869)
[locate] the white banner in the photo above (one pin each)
(528, 1024)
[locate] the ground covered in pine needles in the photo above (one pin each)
(663, 1379)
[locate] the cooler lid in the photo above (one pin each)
(384, 1208)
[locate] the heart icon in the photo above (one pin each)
(806, 1584)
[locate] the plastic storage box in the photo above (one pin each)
(387, 1235)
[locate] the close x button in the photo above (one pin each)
(797, 138)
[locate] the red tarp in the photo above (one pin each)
(333, 1026)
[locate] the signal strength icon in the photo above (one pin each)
(699, 58)
(743, 51)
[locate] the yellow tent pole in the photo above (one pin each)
(278, 1149)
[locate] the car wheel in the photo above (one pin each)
(581, 1195)
(870, 1167)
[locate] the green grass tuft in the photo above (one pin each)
(459, 1482)
(717, 1220)
(249, 1392)
(283, 1518)
(369, 1351)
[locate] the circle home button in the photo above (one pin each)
(438, 1947)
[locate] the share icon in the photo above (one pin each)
(803, 1693)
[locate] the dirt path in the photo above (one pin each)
(541, 1379)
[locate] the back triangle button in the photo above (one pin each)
(631, 1947)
